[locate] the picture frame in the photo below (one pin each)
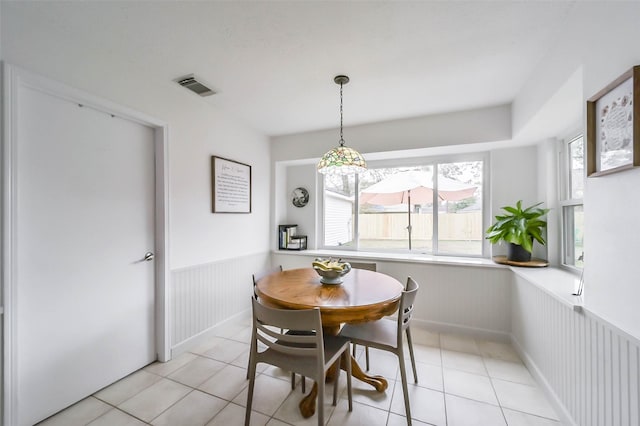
(613, 126)
(300, 197)
(230, 186)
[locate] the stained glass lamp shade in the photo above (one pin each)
(342, 160)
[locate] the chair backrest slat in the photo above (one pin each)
(362, 265)
(297, 344)
(278, 346)
(283, 336)
(405, 310)
(302, 319)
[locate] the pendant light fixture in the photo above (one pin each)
(341, 159)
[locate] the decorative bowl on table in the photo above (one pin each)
(331, 271)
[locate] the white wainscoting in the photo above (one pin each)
(589, 367)
(204, 296)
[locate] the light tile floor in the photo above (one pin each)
(461, 381)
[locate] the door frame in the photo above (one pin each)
(13, 79)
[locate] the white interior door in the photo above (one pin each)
(84, 214)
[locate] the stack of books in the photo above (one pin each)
(288, 238)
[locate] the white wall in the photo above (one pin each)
(305, 217)
(197, 130)
(456, 128)
(1, 236)
(598, 40)
(547, 185)
(513, 178)
(612, 235)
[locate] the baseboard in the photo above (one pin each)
(478, 333)
(440, 327)
(562, 412)
(195, 340)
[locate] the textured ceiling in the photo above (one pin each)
(273, 63)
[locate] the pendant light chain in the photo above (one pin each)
(341, 137)
(341, 160)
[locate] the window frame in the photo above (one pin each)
(433, 161)
(567, 251)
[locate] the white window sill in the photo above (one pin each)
(558, 283)
(397, 257)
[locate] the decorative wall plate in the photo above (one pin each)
(300, 197)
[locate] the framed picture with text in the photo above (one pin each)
(613, 126)
(230, 186)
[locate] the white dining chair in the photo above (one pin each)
(387, 336)
(311, 354)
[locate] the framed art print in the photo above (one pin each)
(613, 126)
(230, 186)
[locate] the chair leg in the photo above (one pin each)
(349, 380)
(413, 360)
(252, 380)
(253, 350)
(249, 364)
(405, 389)
(336, 381)
(366, 354)
(320, 405)
(293, 382)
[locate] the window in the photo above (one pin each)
(572, 168)
(339, 200)
(435, 207)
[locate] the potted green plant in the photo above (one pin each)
(519, 227)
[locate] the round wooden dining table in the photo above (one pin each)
(363, 296)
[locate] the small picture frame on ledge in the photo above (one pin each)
(613, 126)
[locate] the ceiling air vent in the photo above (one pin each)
(190, 82)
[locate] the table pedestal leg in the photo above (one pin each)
(378, 382)
(308, 403)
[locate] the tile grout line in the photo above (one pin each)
(127, 399)
(444, 390)
(221, 410)
(502, 408)
(119, 409)
(281, 403)
(504, 417)
(197, 389)
(229, 363)
(391, 402)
